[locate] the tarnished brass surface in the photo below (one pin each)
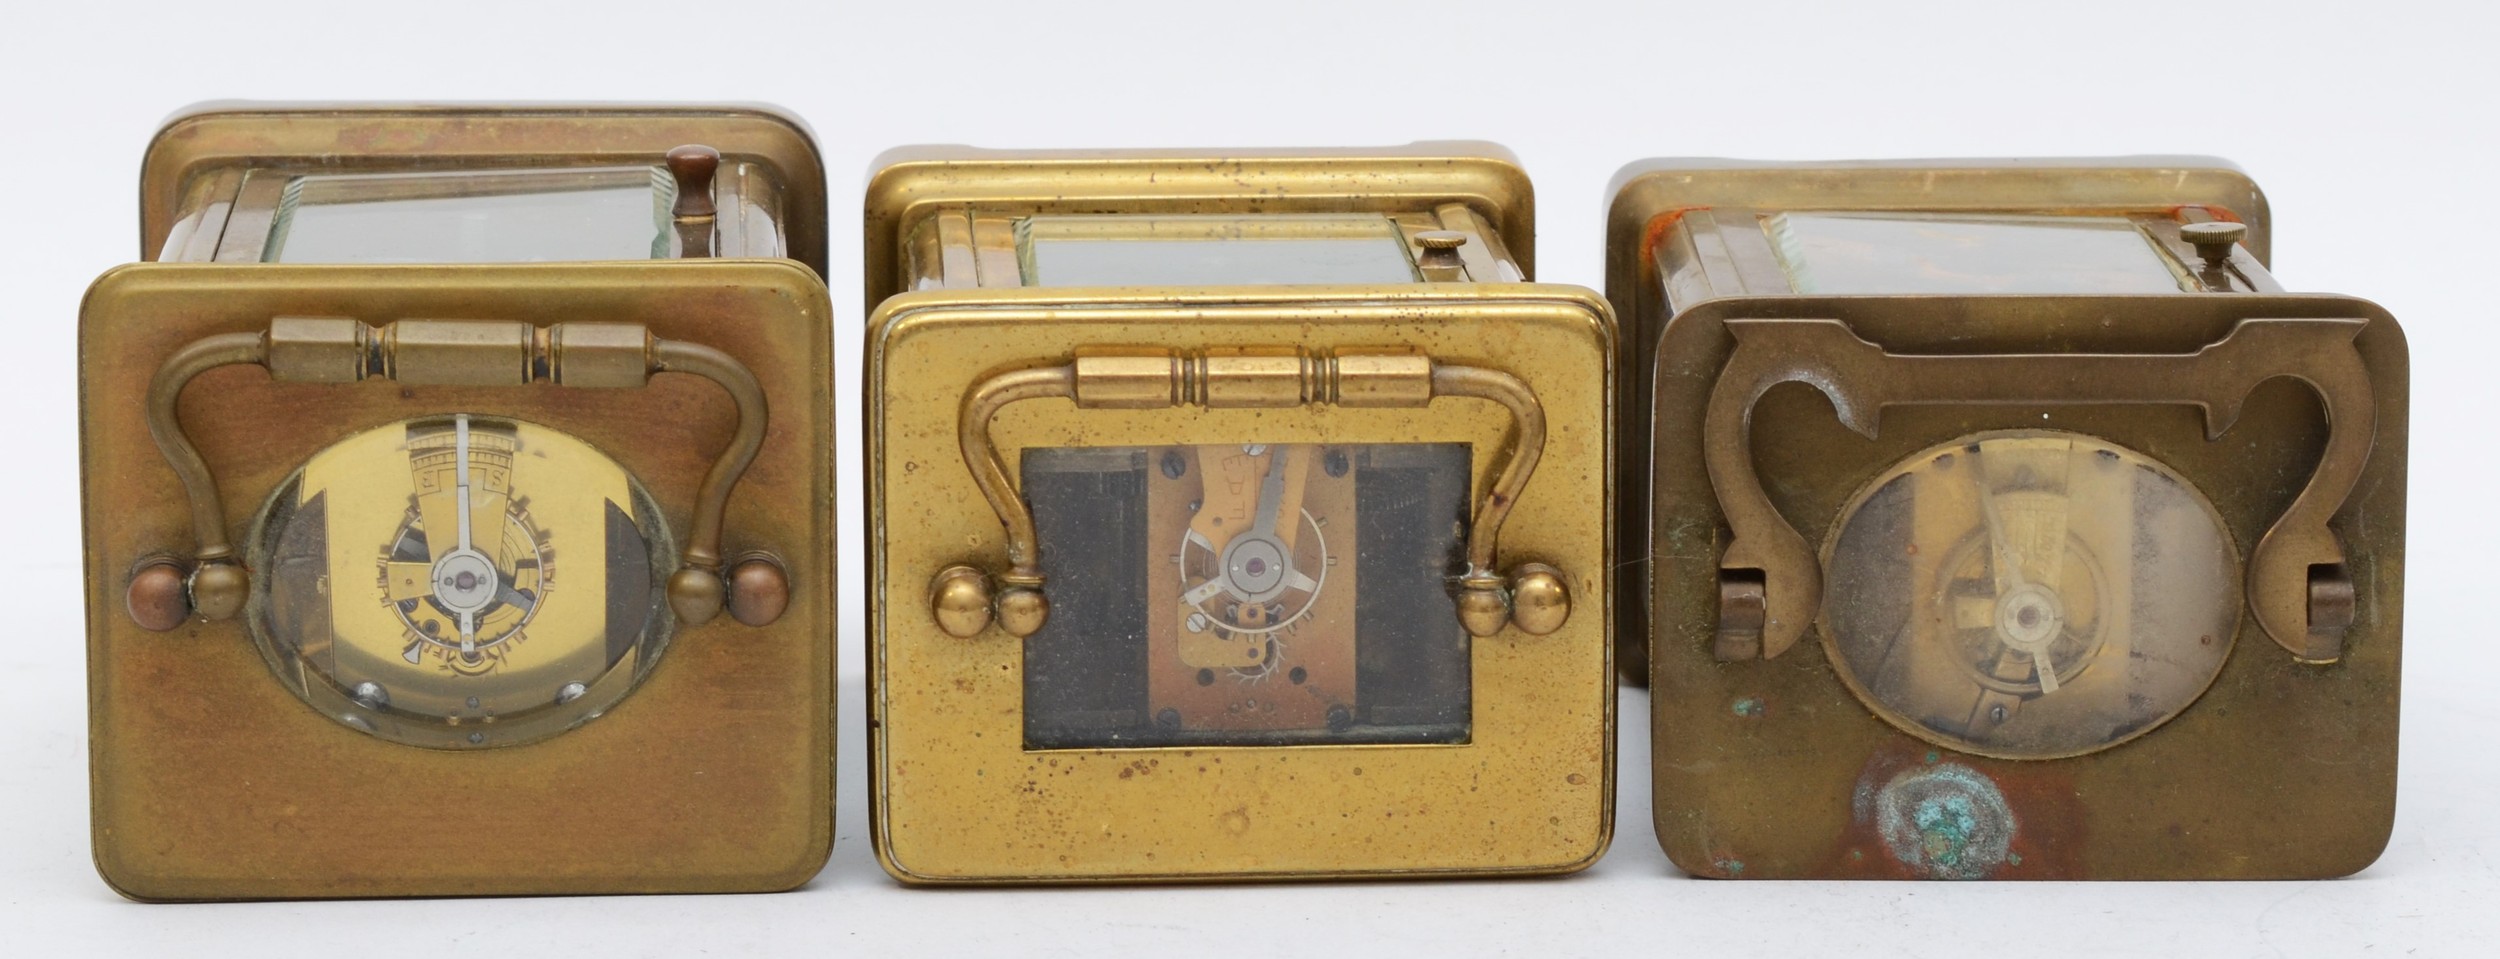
(1651, 196)
(1862, 380)
(2029, 594)
(759, 589)
(1244, 380)
(1467, 184)
(957, 797)
(197, 161)
(211, 781)
(2281, 769)
(160, 595)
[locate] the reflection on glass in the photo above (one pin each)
(2030, 594)
(1967, 253)
(461, 582)
(1248, 595)
(616, 213)
(1212, 250)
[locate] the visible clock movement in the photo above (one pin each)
(1232, 499)
(462, 582)
(2007, 519)
(1292, 593)
(468, 462)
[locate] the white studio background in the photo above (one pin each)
(2370, 125)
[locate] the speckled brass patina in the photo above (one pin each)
(957, 794)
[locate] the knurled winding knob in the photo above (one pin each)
(2213, 240)
(1440, 249)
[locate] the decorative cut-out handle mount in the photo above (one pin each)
(163, 593)
(964, 600)
(1771, 583)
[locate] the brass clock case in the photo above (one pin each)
(219, 176)
(1780, 748)
(1526, 790)
(1649, 199)
(1237, 567)
(214, 399)
(942, 187)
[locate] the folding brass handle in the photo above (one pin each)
(1771, 584)
(964, 600)
(453, 353)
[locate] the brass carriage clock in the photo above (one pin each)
(1234, 516)
(457, 489)
(2009, 521)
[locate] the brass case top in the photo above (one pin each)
(957, 796)
(230, 136)
(1645, 191)
(1774, 768)
(210, 780)
(912, 184)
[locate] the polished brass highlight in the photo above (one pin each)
(1245, 380)
(947, 760)
(2297, 556)
(1127, 370)
(454, 353)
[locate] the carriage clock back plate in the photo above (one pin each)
(1805, 765)
(1225, 772)
(216, 773)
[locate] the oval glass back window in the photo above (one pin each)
(2029, 594)
(462, 581)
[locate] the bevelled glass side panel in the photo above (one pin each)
(1212, 250)
(1248, 595)
(1852, 253)
(613, 213)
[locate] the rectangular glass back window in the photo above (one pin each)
(1212, 250)
(1248, 595)
(1967, 253)
(614, 213)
